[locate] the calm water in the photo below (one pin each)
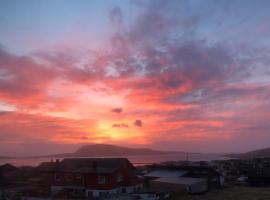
(137, 160)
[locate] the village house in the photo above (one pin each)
(175, 182)
(214, 178)
(181, 179)
(91, 177)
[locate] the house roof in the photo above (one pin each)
(165, 173)
(7, 168)
(173, 176)
(86, 165)
(46, 166)
(190, 169)
(181, 180)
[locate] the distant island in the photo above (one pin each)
(108, 150)
(261, 153)
(113, 150)
(105, 150)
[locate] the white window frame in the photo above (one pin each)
(79, 176)
(101, 179)
(57, 177)
(69, 177)
(119, 177)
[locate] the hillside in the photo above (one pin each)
(235, 193)
(261, 153)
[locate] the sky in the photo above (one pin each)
(186, 75)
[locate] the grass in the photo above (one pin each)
(234, 193)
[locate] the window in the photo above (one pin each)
(56, 177)
(119, 177)
(69, 177)
(101, 179)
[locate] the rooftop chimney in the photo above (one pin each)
(95, 165)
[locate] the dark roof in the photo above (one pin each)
(7, 168)
(46, 166)
(190, 169)
(86, 165)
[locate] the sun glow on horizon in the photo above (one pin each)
(120, 133)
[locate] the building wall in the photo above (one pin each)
(199, 187)
(214, 178)
(148, 196)
(118, 190)
(62, 179)
(176, 188)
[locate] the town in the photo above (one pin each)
(118, 178)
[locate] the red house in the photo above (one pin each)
(92, 176)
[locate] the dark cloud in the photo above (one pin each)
(117, 110)
(138, 123)
(21, 76)
(151, 59)
(66, 63)
(171, 62)
(178, 69)
(121, 125)
(24, 81)
(160, 18)
(116, 15)
(166, 63)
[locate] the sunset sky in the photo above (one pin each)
(189, 75)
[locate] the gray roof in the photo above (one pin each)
(166, 173)
(181, 180)
(173, 176)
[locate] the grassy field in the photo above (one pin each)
(234, 193)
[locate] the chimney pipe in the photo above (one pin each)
(95, 165)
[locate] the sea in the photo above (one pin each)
(136, 160)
